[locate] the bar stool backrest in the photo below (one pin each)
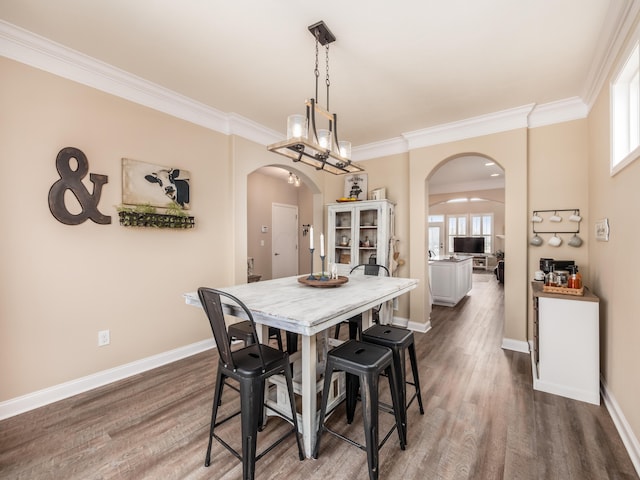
(212, 304)
(371, 269)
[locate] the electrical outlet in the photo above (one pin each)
(104, 338)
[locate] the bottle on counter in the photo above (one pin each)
(575, 277)
(551, 279)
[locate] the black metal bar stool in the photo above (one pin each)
(355, 322)
(399, 340)
(250, 366)
(363, 363)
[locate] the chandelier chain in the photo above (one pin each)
(328, 82)
(316, 71)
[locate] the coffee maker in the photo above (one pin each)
(547, 263)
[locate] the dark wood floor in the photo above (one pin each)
(483, 421)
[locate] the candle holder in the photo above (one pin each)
(323, 277)
(311, 277)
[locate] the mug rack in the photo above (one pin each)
(575, 211)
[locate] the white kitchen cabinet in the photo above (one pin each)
(566, 345)
(359, 230)
(450, 280)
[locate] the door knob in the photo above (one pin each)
(276, 254)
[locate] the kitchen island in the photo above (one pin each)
(450, 279)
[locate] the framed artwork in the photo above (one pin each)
(156, 185)
(355, 186)
(602, 230)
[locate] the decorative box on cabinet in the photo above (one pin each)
(566, 345)
(357, 231)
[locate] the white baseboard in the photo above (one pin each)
(419, 327)
(413, 326)
(624, 429)
(521, 346)
(49, 395)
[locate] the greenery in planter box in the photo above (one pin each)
(147, 216)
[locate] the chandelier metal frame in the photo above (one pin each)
(305, 147)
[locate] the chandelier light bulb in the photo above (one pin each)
(296, 126)
(324, 139)
(344, 147)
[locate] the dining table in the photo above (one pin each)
(310, 310)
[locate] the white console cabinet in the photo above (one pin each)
(566, 345)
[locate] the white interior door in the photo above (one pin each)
(436, 238)
(284, 240)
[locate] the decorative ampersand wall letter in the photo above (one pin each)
(71, 180)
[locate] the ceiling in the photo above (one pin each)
(465, 174)
(395, 68)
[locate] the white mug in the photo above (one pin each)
(536, 218)
(575, 218)
(555, 241)
(536, 240)
(555, 218)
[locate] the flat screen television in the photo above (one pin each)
(468, 244)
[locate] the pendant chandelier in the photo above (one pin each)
(306, 143)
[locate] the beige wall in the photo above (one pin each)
(247, 158)
(558, 178)
(509, 151)
(62, 283)
(263, 192)
(613, 265)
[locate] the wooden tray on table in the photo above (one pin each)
(329, 283)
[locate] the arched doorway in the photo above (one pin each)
(248, 157)
(509, 150)
(279, 204)
(465, 217)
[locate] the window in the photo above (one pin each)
(470, 224)
(456, 227)
(482, 226)
(625, 112)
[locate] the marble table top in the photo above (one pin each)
(287, 304)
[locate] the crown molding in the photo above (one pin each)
(245, 128)
(558, 112)
(384, 148)
(620, 20)
(473, 127)
(527, 116)
(39, 52)
(36, 51)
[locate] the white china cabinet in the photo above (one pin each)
(359, 232)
